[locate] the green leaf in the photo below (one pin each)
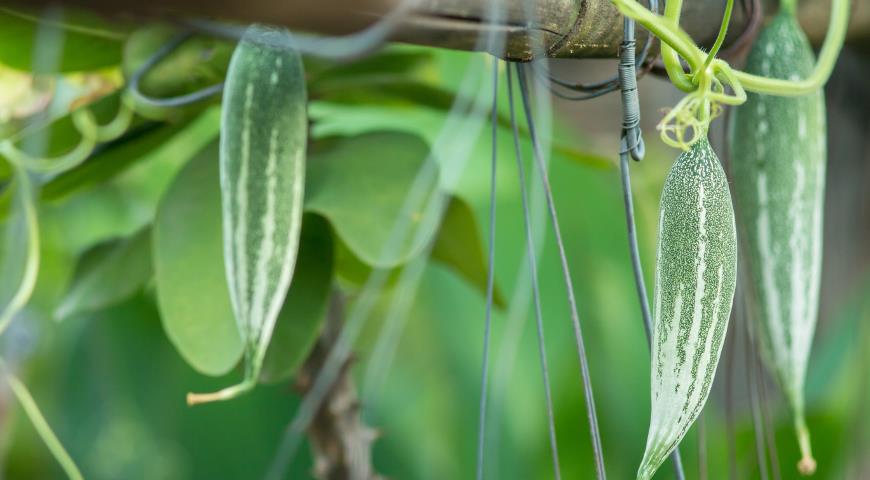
(392, 63)
(360, 184)
(116, 157)
(305, 306)
(86, 42)
(459, 246)
(192, 289)
(390, 95)
(108, 274)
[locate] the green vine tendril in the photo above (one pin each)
(37, 419)
(709, 78)
(91, 132)
(23, 164)
(31, 265)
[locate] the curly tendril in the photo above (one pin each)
(91, 134)
(709, 78)
(690, 119)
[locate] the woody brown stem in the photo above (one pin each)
(340, 441)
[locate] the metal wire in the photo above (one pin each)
(566, 274)
(769, 428)
(490, 278)
(533, 267)
(140, 98)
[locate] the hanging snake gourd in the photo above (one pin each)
(262, 167)
(779, 156)
(695, 277)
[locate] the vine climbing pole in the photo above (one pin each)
(564, 28)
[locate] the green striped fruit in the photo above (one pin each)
(696, 266)
(262, 166)
(779, 155)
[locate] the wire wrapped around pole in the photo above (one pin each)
(631, 134)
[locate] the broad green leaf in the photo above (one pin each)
(398, 93)
(108, 274)
(114, 158)
(459, 246)
(191, 284)
(361, 185)
(192, 289)
(264, 132)
(391, 63)
(147, 179)
(305, 306)
(86, 41)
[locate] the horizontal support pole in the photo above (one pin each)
(558, 28)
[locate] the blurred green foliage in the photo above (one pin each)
(112, 383)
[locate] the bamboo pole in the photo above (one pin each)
(565, 28)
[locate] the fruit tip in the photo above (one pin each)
(807, 466)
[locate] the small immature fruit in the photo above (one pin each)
(696, 266)
(779, 156)
(262, 166)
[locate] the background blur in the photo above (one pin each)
(113, 386)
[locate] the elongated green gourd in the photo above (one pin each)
(262, 166)
(695, 277)
(779, 155)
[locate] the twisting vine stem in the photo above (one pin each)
(723, 30)
(31, 409)
(31, 265)
(91, 133)
(708, 77)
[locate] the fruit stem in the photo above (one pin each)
(222, 395)
(807, 464)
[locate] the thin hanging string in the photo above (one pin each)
(517, 317)
(729, 399)
(757, 427)
(770, 433)
(533, 269)
(490, 277)
(632, 145)
(702, 447)
(566, 274)
(462, 112)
